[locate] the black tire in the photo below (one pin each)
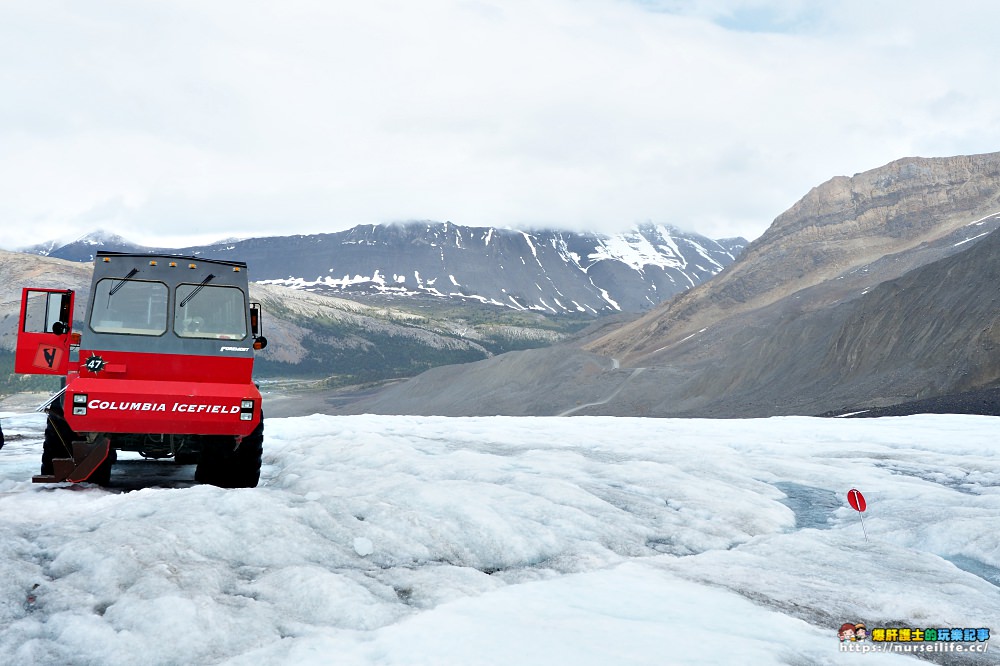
(228, 465)
(58, 443)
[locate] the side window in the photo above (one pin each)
(204, 311)
(132, 307)
(43, 309)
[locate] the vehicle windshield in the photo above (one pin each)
(136, 307)
(206, 311)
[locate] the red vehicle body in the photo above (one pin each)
(162, 364)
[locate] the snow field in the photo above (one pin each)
(416, 540)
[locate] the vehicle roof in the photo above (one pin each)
(159, 255)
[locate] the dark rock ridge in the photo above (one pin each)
(554, 272)
(985, 402)
(872, 291)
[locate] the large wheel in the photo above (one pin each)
(228, 464)
(58, 443)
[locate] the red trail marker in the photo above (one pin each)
(857, 502)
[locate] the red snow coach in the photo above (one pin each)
(161, 365)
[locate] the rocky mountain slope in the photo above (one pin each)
(871, 290)
(848, 234)
(554, 272)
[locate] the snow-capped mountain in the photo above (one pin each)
(546, 271)
(84, 247)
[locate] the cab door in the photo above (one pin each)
(43, 334)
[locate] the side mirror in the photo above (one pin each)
(255, 320)
(60, 328)
(259, 341)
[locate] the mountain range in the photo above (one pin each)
(554, 272)
(872, 290)
(409, 296)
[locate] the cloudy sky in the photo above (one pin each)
(180, 121)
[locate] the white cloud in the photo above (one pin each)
(181, 119)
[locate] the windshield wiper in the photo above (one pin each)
(196, 290)
(114, 289)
